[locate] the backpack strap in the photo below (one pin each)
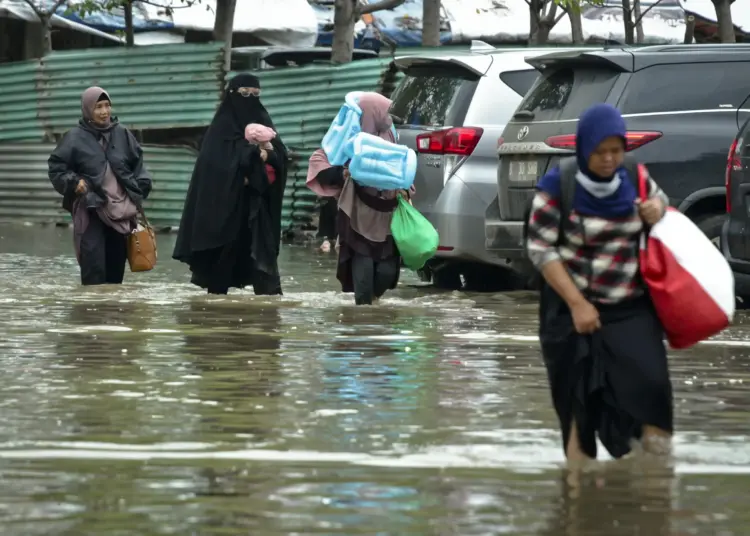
(631, 166)
(568, 170)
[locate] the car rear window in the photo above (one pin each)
(566, 92)
(520, 81)
(434, 96)
(690, 86)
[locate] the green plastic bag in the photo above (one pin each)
(416, 238)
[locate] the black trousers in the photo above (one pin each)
(104, 253)
(263, 285)
(329, 209)
(372, 278)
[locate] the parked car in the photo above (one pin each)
(683, 105)
(735, 234)
(451, 109)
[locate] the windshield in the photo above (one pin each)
(434, 96)
(566, 92)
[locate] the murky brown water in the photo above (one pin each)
(151, 409)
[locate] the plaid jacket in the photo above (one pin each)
(600, 254)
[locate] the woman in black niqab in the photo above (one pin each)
(231, 224)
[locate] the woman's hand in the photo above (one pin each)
(81, 187)
(263, 155)
(651, 211)
(585, 317)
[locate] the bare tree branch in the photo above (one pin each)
(364, 9)
(183, 4)
(549, 17)
(565, 11)
(649, 8)
(35, 9)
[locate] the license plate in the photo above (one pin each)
(525, 172)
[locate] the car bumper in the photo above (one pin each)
(740, 268)
(503, 239)
(458, 215)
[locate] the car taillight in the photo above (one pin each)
(453, 141)
(733, 164)
(634, 139)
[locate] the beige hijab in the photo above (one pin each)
(365, 221)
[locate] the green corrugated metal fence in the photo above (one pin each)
(26, 194)
(160, 87)
(153, 87)
(19, 115)
(302, 102)
(25, 191)
(171, 168)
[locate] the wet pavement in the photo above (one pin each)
(151, 409)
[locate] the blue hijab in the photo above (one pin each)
(596, 124)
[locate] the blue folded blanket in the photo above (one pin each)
(381, 164)
(337, 143)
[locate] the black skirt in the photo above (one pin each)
(611, 382)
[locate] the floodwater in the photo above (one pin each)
(151, 409)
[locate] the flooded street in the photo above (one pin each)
(152, 409)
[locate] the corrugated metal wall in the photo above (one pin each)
(19, 118)
(160, 87)
(26, 194)
(171, 168)
(302, 102)
(25, 191)
(153, 87)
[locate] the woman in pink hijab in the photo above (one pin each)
(369, 262)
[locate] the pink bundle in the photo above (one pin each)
(259, 134)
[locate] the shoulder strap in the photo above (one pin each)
(631, 166)
(568, 170)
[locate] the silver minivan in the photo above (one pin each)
(452, 109)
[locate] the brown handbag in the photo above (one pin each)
(142, 247)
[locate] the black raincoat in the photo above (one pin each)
(231, 224)
(82, 146)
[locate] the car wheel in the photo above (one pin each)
(492, 279)
(447, 278)
(711, 227)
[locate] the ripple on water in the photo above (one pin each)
(150, 408)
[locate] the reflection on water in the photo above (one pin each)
(153, 409)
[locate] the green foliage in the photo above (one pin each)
(576, 5)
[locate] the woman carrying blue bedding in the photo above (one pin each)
(369, 262)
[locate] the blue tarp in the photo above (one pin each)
(401, 26)
(115, 20)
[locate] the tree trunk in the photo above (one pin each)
(46, 22)
(640, 37)
(534, 16)
(627, 17)
(224, 27)
(344, 19)
(430, 23)
(724, 20)
(576, 26)
(129, 32)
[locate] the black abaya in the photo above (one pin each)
(230, 231)
(611, 382)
